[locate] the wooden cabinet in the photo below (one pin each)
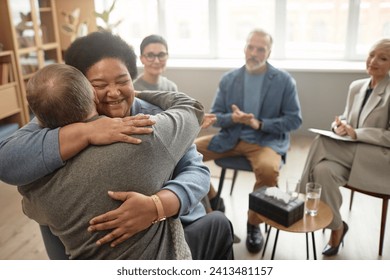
(30, 30)
(30, 38)
(12, 105)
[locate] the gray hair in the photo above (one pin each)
(59, 94)
(263, 33)
(382, 44)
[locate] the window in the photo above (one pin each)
(138, 18)
(302, 29)
(316, 29)
(374, 23)
(235, 19)
(187, 25)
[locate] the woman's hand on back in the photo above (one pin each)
(135, 214)
(76, 137)
(110, 130)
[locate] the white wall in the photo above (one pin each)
(322, 93)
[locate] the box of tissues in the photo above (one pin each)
(276, 205)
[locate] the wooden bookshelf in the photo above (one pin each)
(30, 31)
(12, 105)
(31, 38)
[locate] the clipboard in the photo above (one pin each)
(331, 134)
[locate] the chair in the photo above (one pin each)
(237, 163)
(385, 201)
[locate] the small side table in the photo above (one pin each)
(305, 225)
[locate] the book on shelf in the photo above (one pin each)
(11, 77)
(5, 72)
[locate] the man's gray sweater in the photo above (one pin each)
(67, 199)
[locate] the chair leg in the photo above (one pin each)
(275, 243)
(351, 199)
(307, 246)
(220, 185)
(233, 180)
(266, 242)
(313, 240)
(385, 202)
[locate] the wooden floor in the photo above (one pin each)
(20, 238)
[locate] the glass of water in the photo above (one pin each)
(292, 187)
(312, 200)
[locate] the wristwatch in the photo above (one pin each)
(260, 125)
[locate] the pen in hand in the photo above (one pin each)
(342, 128)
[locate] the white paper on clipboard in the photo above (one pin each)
(332, 135)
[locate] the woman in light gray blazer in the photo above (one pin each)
(365, 162)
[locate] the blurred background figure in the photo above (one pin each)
(363, 164)
(154, 56)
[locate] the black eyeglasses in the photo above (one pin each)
(162, 56)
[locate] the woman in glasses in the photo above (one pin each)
(154, 55)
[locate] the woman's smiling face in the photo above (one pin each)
(156, 66)
(113, 86)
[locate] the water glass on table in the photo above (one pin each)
(292, 187)
(312, 200)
